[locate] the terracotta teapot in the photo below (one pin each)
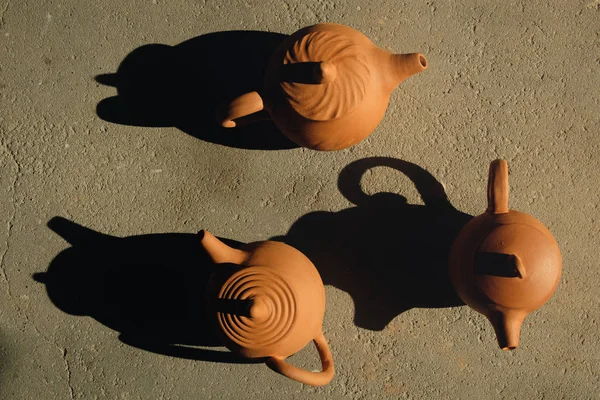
(268, 301)
(504, 263)
(326, 87)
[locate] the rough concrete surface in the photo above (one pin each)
(516, 80)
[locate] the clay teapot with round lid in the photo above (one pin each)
(326, 87)
(268, 301)
(504, 263)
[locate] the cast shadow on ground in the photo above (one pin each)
(183, 85)
(149, 288)
(388, 255)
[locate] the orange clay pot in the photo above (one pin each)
(327, 86)
(268, 301)
(504, 263)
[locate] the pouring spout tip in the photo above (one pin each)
(422, 60)
(507, 325)
(403, 66)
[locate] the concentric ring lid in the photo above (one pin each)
(261, 308)
(341, 74)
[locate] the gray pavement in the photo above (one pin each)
(513, 80)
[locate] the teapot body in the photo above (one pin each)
(357, 99)
(504, 263)
(330, 135)
(286, 283)
(486, 288)
(327, 86)
(267, 300)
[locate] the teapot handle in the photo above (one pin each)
(498, 187)
(242, 106)
(278, 364)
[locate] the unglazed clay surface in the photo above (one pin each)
(268, 300)
(504, 263)
(271, 315)
(512, 80)
(327, 86)
(346, 81)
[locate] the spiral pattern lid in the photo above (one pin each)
(271, 313)
(339, 95)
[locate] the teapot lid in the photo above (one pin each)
(517, 264)
(256, 308)
(339, 69)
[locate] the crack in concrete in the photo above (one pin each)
(11, 219)
(3, 254)
(68, 368)
(2, 23)
(62, 350)
(10, 224)
(315, 196)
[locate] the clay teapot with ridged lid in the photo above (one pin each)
(268, 301)
(326, 87)
(504, 263)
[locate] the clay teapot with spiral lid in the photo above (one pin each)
(268, 301)
(504, 263)
(326, 87)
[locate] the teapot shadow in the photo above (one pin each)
(388, 255)
(184, 85)
(149, 288)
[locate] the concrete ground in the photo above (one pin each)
(104, 136)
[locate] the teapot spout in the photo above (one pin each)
(401, 66)
(507, 325)
(218, 251)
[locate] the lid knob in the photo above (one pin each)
(324, 72)
(259, 310)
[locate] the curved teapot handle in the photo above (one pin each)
(242, 106)
(498, 187)
(278, 364)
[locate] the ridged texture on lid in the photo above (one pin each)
(322, 102)
(278, 308)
